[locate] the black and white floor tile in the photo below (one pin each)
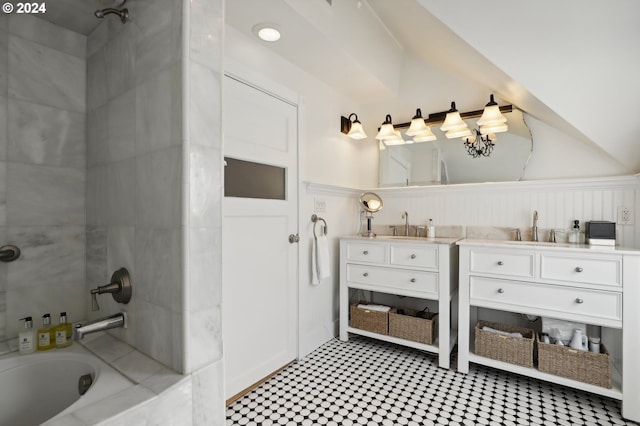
(373, 383)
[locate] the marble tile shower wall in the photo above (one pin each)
(42, 170)
(134, 172)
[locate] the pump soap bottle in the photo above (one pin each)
(574, 233)
(63, 332)
(46, 336)
(27, 337)
(431, 230)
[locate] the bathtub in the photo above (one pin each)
(38, 387)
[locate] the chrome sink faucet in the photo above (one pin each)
(535, 226)
(405, 216)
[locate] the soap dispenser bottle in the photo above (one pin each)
(46, 335)
(63, 332)
(574, 233)
(431, 230)
(27, 338)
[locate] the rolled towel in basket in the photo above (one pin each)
(380, 308)
(504, 333)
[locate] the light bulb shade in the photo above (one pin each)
(396, 139)
(453, 121)
(458, 133)
(381, 146)
(417, 124)
(426, 136)
(498, 128)
(386, 130)
(356, 131)
(491, 116)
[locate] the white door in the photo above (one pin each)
(260, 265)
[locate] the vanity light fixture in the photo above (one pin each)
(426, 136)
(353, 129)
(479, 145)
(396, 139)
(386, 130)
(492, 120)
(417, 124)
(453, 124)
(267, 32)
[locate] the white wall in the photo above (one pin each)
(326, 155)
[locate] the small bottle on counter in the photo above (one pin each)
(63, 332)
(431, 230)
(46, 336)
(574, 233)
(27, 338)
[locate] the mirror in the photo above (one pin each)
(370, 203)
(446, 161)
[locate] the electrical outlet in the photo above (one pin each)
(625, 215)
(319, 205)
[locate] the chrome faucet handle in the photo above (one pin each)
(119, 287)
(518, 235)
(394, 230)
(418, 229)
(552, 236)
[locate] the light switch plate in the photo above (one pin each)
(319, 205)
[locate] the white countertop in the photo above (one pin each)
(551, 246)
(403, 239)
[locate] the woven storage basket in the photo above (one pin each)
(410, 327)
(583, 366)
(369, 320)
(514, 350)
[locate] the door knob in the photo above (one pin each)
(294, 238)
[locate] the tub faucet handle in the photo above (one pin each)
(119, 287)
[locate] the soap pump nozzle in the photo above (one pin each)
(28, 322)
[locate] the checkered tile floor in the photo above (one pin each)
(369, 382)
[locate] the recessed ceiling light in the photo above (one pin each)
(267, 32)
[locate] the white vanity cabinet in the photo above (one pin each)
(424, 268)
(599, 286)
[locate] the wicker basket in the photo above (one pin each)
(583, 366)
(369, 320)
(514, 350)
(410, 327)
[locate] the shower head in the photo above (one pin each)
(122, 13)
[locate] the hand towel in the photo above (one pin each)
(379, 308)
(320, 265)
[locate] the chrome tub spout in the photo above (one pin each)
(112, 321)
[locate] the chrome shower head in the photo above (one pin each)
(122, 13)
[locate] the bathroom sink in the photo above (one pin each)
(401, 237)
(534, 243)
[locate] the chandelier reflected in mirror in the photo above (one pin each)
(479, 145)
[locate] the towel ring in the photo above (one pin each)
(315, 218)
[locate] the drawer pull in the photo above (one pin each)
(500, 263)
(413, 280)
(579, 301)
(500, 290)
(579, 269)
(365, 252)
(413, 256)
(366, 274)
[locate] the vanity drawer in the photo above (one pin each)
(397, 280)
(548, 300)
(414, 255)
(367, 252)
(508, 263)
(593, 269)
